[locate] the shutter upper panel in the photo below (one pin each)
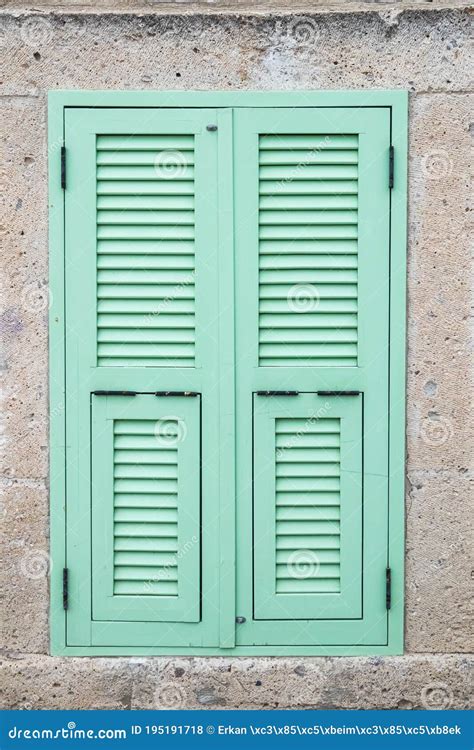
(308, 229)
(145, 250)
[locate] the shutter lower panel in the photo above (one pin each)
(308, 507)
(145, 508)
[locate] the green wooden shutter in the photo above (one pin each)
(312, 278)
(141, 316)
(227, 287)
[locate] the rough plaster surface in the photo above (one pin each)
(408, 682)
(425, 52)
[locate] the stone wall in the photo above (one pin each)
(424, 49)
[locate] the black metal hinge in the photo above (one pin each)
(186, 394)
(65, 588)
(338, 393)
(63, 167)
(114, 393)
(391, 161)
(277, 393)
(388, 588)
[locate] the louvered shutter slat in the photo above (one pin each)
(289, 217)
(304, 506)
(153, 482)
(141, 255)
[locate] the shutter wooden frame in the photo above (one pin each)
(396, 102)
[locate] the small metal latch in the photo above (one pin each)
(187, 394)
(65, 589)
(388, 588)
(114, 393)
(240, 620)
(338, 393)
(277, 393)
(211, 128)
